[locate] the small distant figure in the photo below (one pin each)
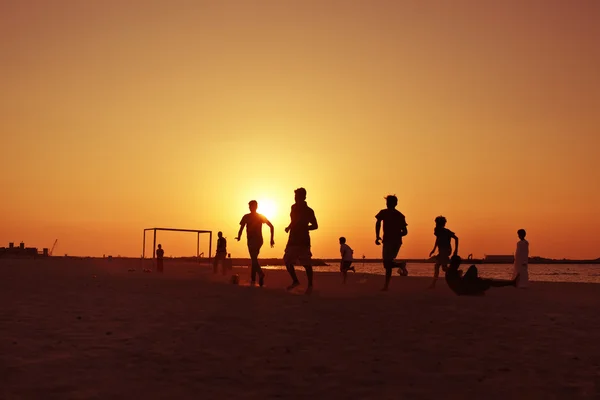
(394, 229)
(521, 266)
(347, 257)
(221, 254)
(471, 284)
(159, 258)
(297, 250)
(443, 239)
(254, 222)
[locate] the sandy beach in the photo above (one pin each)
(91, 329)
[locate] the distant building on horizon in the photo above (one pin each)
(21, 251)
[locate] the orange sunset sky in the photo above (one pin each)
(121, 115)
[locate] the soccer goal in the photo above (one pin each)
(196, 231)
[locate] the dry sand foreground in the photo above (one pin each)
(89, 329)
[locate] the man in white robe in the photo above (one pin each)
(521, 267)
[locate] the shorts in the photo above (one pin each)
(390, 250)
(443, 257)
(297, 255)
(345, 265)
(221, 256)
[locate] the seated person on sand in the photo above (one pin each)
(470, 284)
(347, 257)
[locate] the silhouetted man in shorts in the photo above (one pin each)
(254, 222)
(394, 229)
(443, 239)
(297, 251)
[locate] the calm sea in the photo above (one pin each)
(537, 272)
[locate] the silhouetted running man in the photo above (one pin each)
(394, 229)
(470, 284)
(347, 257)
(443, 243)
(254, 221)
(297, 251)
(521, 266)
(221, 254)
(159, 258)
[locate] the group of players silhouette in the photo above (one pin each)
(298, 247)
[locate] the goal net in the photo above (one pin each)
(195, 235)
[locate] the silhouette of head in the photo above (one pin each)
(220, 234)
(342, 240)
(521, 233)
(300, 194)
(160, 246)
(440, 221)
(391, 201)
(253, 205)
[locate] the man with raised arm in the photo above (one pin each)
(253, 223)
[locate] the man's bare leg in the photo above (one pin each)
(500, 282)
(309, 276)
(292, 272)
(388, 275)
(436, 274)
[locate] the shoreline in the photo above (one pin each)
(543, 273)
(317, 262)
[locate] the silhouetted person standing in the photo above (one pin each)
(471, 284)
(443, 238)
(254, 222)
(394, 229)
(159, 258)
(297, 250)
(221, 254)
(346, 253)
(521, 266)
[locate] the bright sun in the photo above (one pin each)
(268, 208)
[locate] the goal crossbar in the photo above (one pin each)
(197, 231)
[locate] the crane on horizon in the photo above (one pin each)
(53, 246)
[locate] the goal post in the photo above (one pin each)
(196, 231)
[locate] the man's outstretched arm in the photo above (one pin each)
(270, 225)
(435, 245)
(404, 231)
(242, 225)
(313, 223)
(456, 247)
(377, 230)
